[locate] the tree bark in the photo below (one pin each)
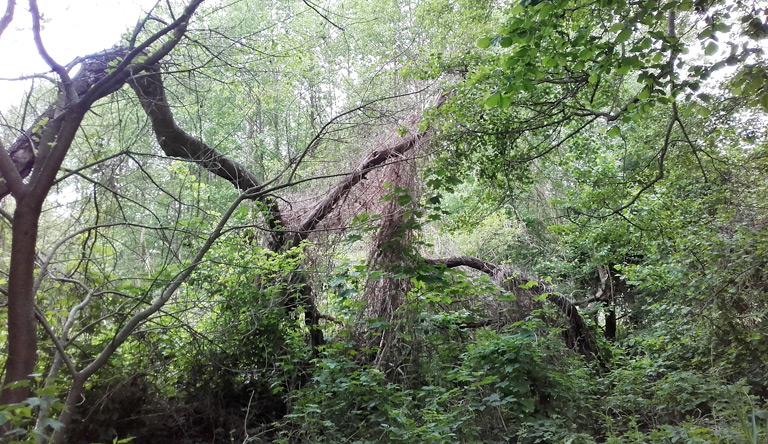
(175, 142)
(70, 405)
(370, 162)
(54, 143)
(22, 336)
(22, 151)
(51, 136)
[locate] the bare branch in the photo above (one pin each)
(8, 16)
(22, 151)
(140, 25)
(465, 261)
(136, 320)
(580, 334)
(325, 129)
(315, 7)
(59, 346)
(121, 72)
(175, 142)
(69, 91)
(45, 263)
(29, 77)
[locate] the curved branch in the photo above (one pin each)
(126, 67)
(159, 301)
(66, 82)
(60, 348)
(579, 336)
(175, 142)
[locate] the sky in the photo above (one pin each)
(71, 28)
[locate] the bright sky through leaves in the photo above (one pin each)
(71, 28)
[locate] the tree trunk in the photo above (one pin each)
(22, 335)
(73, 397)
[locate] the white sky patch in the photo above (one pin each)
(71, 28)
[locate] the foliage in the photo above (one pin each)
(614, 151)
(19, 421)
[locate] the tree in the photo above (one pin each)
(54, 132)
(42, 154)
(366, 152)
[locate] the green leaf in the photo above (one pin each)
(703, 111)
(527, 85)
(706, 33)
(35, 401)
(352, 238)
(586, 54)
(614, 132)
(404, 199)
(52, 423)
(506, 101)
(685, 6)
(711, 48)
(624, 35)
(483, 43)
(506, 41)
(493, 100)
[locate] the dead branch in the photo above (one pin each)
(371, 161)
(579, 335)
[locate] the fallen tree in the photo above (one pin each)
(578, 336)
(33, 155)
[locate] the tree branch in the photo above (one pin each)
(59, 346)
(175, 142)
(138, 318)
(121, 72)
(10, 174)
(373, 160)
(66, 83)
(8, 16)
(580, 335)
(22, 151)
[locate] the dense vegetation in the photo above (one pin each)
(466, 221)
